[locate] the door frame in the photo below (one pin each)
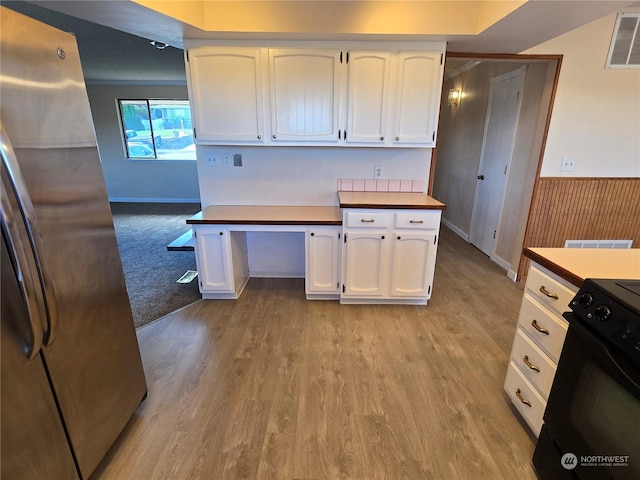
(508, 57)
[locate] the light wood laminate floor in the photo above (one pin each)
(272, 386)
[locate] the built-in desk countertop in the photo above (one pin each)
(267, 215)
(398, 200)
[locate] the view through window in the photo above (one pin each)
(157, 129)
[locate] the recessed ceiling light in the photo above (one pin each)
(159, 45)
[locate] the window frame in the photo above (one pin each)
(120, 102)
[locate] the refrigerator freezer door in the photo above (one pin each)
(94, 364)
(33, 439)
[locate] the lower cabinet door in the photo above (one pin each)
(213, 259)
(412, 264)
(365, 264)
(322, 261)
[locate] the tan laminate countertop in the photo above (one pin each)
(577, 264)
(419, 201)
(267, 215)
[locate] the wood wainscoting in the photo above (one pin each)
(565, 208)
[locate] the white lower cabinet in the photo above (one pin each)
(322, 258)
(538, 343)
(388, 255)
(221, 260)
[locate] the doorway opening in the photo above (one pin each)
(498, 130)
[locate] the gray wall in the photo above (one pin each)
(138, 180)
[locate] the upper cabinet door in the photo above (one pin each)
(226, 94)
(418, 97)
(305, 95)
(368, 91)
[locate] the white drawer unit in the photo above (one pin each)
(368, 219)
(538, 343)
(525, 398)
(537, 367)
(388, 256)
(546, 329)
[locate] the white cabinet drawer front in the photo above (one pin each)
(525, 398)
(545, 328)
(548, 290)
(534, 363)
(418, 220)
(369, 219)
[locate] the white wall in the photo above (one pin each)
(596, 114)
(138, 180)
(300, 175)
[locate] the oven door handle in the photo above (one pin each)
(621, 373)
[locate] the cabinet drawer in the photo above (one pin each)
(520, 391)
(545, 328)
(369, 219)
(534, 363)
(418, 220)
(539, 281)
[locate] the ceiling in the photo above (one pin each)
(113, 35)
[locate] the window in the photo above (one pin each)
(157, 129)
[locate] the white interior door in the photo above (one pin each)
(495, 158)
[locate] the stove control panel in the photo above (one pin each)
(612, 312)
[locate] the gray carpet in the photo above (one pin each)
(143, 231)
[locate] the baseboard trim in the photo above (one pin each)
(502, 262)
(152, 200)
(456, 230)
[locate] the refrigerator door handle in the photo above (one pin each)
(13, 181)
(26, 272)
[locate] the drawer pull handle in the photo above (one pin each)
(522, 399)
(365, 220)
(416, 221)
(526, 361)
(547, 293)
(535, 325)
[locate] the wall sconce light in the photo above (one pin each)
(454, 96)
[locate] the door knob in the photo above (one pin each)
(480, 177)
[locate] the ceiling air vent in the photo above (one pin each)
(624, 51)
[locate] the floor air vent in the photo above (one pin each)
(598, 243)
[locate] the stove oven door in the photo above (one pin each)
(592, 419)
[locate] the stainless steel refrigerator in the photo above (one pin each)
(71, 372)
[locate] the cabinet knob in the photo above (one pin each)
(399, 237)
(312, 234)
(221, 233)
(382, 237)
(381, 139)
(259, 137)
(397, 138)
(274, 136)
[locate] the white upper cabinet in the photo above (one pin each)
(225, 88)
(305, 94)
(368, 93)
(418, 97)
(333, 96)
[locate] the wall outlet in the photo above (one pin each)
(213, 161)
(568, 164)
(378, 172)
(237, 160)
(227, 159)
